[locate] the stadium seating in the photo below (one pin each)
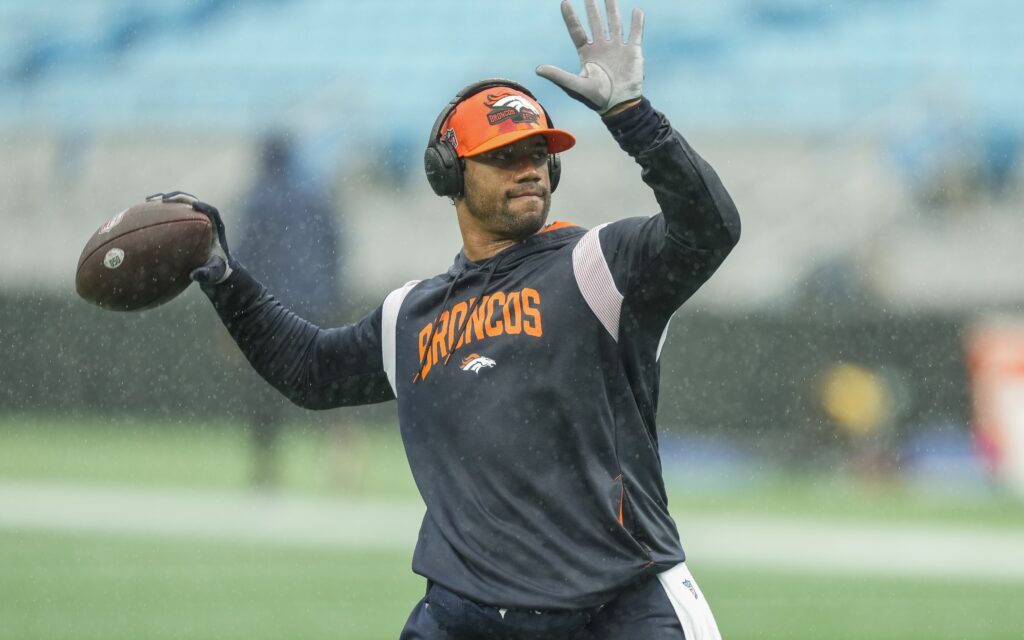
(789, 94)
(783, 64)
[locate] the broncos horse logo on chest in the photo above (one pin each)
(475, 362)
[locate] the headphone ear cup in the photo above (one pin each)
(554, 170)
(444, 173)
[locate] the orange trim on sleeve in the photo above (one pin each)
(622, 495)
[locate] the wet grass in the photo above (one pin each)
(78, 588)
(217, 456)
(371, 463)
(95, 586)
(91, 587)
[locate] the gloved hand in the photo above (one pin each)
(612, 70)
(220, 265)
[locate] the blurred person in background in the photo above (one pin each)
(535, 449)
(290, 239)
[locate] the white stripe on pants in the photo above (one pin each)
(688, 601)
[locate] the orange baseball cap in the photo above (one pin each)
(497, 116)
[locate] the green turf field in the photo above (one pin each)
(114, 588)
(208, 456)
(320, 462)
(77, 586)
(71, 587)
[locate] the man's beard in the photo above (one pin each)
(499, 217)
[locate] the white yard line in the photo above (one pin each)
(879, 549)
(741, 541)
(255, 517)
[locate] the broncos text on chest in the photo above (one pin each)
(499, 313)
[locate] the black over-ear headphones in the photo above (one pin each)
(444, 170)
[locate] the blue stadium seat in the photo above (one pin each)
(387, 66)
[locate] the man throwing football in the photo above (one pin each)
(526, 376)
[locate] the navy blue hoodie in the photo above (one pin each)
(526, 386)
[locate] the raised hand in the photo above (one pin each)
(611, 67)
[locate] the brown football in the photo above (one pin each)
(141, 257)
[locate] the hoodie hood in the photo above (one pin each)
(553, 236)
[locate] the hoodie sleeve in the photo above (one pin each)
(314, 368)
(657, 263)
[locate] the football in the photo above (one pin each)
(141, 258)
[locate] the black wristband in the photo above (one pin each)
(235, 292)
(636, 128)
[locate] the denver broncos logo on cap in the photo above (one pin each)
(495, 117)
(510, 107)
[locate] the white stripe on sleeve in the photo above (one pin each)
(661, 342)
(595, 281)
(389, 327)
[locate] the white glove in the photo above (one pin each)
(612, 69)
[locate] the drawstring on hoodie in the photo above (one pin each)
(433, 327)
(475, 302)
(464, 324)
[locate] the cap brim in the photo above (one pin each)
(558, 140)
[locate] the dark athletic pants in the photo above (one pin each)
(642, 611)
